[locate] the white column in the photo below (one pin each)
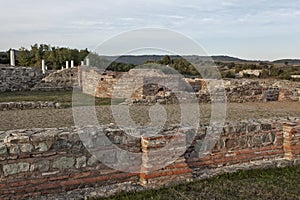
(67, 64)
(12, 58)
(43, 67)
(87, 62)
(82, 63)
(72, 63)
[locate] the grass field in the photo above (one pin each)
(64, 97)
(283, 183)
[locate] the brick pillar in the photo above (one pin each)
(163, 160)
(291, 141)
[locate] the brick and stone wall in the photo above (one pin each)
(40, 161)
(136, 84)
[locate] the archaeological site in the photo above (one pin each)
(39, 162)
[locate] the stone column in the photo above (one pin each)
(72, 63)
(87, 62)
(67, 64)
(43, 67)
(12, 58)
(82, 63)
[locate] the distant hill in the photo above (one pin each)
(289, 61)
(229, 59)
(141, 59)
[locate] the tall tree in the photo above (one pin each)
(23, 57)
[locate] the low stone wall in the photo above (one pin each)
(28, 105)
(41, 161)
(254, 90)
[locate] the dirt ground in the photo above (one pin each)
(46, 118)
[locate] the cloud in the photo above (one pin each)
(81, 23)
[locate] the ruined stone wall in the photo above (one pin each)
(255, 90)
(135, 84)
(60, 80)
(18, 78)
(28, 78)
(41, 161)
(241, 146)
(99, 84)
(94, 82)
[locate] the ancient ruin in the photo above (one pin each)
(48, 161)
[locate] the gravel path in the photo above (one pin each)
(46, 118)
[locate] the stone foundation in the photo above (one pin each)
(28, 105)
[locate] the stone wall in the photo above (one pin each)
(28, 105)
(28, 78)
(60, 80)
(258, 90)
(41, 161)
(18, 78)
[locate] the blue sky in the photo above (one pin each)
(258, 29)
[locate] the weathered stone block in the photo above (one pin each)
(80, 162)
(15, 168)
(41, 166)
(3, 149)
(26, 148)
(64, 162)
(61, 144)
(92, 161)
(14, 149)
(41, 147)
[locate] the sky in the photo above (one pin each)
(257, 29)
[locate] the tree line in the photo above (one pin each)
(55, 57)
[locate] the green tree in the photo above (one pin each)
(166, 60)
(23, 57)
(4, 57)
